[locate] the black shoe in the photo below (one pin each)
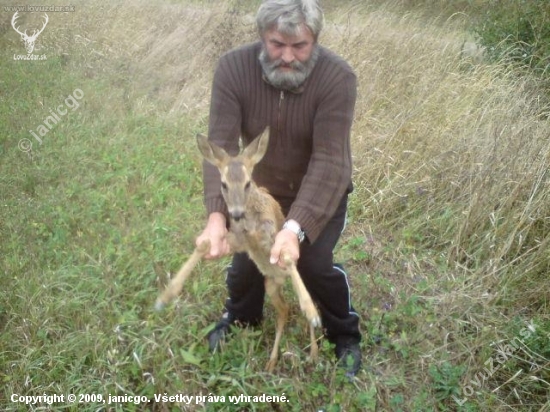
(220, 331)
(348, 353)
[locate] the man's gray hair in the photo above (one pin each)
(287, 16)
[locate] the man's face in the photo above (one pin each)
(288, 60)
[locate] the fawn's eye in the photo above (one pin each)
(247, 186)
(224, 186)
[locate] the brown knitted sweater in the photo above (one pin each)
(307, 166)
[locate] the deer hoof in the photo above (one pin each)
(315, 321)
(159, 305)
(312, 315)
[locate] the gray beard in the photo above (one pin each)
(287, 80)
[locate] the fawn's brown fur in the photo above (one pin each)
(255, 219)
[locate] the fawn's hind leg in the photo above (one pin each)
(304, 298)
(273, 290)
(313, 348)
(306, 304)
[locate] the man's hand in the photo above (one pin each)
(216, 232)
(286, 241)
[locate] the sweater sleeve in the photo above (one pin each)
(224, 128)
(329, 170)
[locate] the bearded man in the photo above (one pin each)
(306, 95)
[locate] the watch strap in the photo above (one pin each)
(294, 227)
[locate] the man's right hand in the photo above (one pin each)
(216, 232)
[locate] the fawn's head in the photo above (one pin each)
(235, 171)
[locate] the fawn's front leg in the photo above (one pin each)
(176, 284)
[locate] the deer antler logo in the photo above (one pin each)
(29, 40)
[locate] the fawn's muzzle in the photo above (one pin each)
(236, 216)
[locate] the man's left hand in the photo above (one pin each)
(286, 241)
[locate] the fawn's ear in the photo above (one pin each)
(255, 151)
(211, 152)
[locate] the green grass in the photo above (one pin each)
(446, 243)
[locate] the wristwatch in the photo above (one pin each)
(294, 227)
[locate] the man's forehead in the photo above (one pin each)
(302, 34)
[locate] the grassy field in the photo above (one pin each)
(447, 243)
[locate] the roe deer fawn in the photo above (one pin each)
(255, 219)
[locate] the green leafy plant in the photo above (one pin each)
(446, 379)
(517, 31)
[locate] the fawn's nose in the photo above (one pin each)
(236, 216)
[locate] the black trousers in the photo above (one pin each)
(326, 282)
